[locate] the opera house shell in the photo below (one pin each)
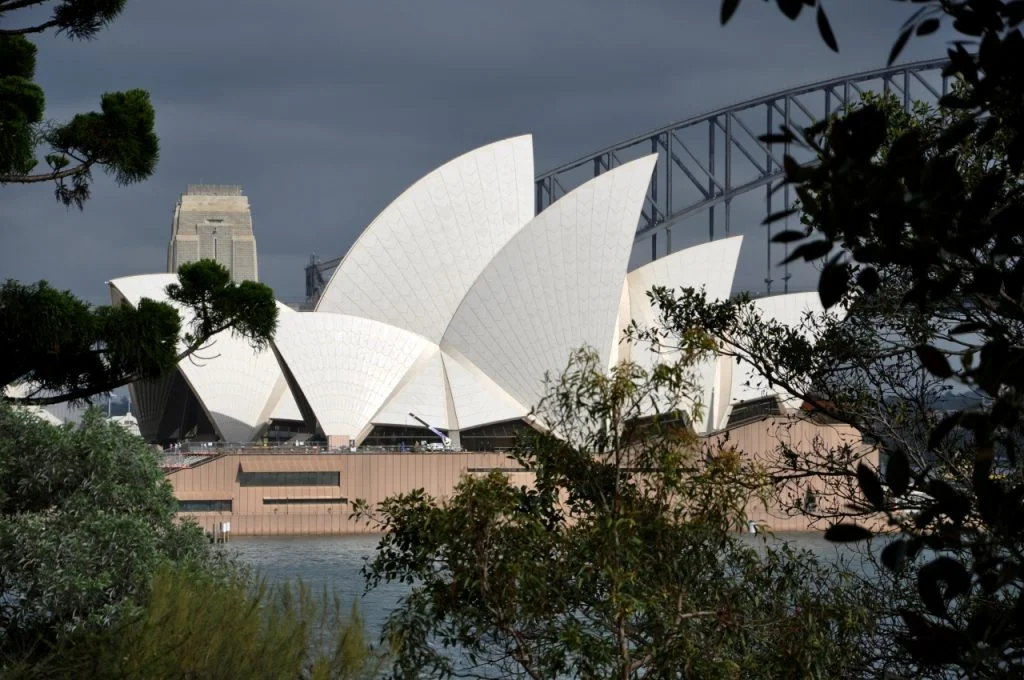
(452, 305)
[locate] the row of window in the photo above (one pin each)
(289, 478)
(303, 501)
(204, 506)
(225, 506)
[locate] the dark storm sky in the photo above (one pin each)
(324, 110)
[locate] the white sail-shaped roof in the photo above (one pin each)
(414, 263)
(23, 390)
(555, 286)
(281, 404)
(232, 381)
(477, 399)
(345, 367)
(711, 266)
(456, 302)
(746, 382)
(285, 407)
(708, 265)
(423, 392)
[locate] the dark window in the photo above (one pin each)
(494, 437)
(204, 506)
(303, 501)
(289, 478)
(754, 409)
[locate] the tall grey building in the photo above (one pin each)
(214, 221)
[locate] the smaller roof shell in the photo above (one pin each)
(345, 367)
(711, 266)
(232, 381)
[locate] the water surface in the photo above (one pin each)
(335, 562)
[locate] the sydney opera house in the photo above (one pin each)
(435, 334)
(448, 310)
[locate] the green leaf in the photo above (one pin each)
(788, 236)
(847, 533)
(870, 486)
(867, 278)
(784, 136)
(928, 26)
(810, 251)
(781, 215)
(969, 327)
(988, 130)
(791, 8)
(898, 46)
(956, 134)
(825, 29)
(728, 9)
(942, 570)
(906, 148)
(832, 285)
(934, 360)
(894, 555)
(897, 472)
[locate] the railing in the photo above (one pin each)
(709, 161)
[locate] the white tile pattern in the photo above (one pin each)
(414, 263)
(555, 286)
(709, 265)
(348, 367)
(478, 400)
(422, 393)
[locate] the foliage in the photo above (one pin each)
(61, 347)
(924, 222)
(86, 517)
(68, 350)
(119, 138)
(621, 560)
(193, 626)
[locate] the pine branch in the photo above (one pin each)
(29, 29)
(11, 5)
(84, 392)
(46, 176)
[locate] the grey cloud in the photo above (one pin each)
(324, 111)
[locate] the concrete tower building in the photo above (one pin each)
(214, 221)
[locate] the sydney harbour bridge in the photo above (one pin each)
(713, 174)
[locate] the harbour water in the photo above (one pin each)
(335, 563)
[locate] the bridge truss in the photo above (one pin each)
(709, 163)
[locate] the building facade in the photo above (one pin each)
(257, 492)
(268, 494)
(214, 222)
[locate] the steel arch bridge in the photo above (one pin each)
(709, 162)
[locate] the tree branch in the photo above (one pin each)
(11, 5)
(48, 176)
(28, 29)
(82, 393)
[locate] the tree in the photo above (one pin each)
(67, 350)
(119, 138)
(190, 625)
(86, 517)
(621, 561)
(61, 348)
(100, 578)
(926, 227)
